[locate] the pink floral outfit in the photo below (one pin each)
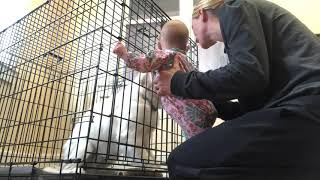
(193, 115)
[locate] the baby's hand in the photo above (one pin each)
(120, 50)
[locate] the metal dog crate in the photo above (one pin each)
(58, 74)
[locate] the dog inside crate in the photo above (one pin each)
(69, 105)
(117, 136)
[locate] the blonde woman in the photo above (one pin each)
(273, 130)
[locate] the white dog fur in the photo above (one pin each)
(135, 111)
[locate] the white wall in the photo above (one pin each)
(12, 10)
(212, 58)
(308, 11)
(186, 8)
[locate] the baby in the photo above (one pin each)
(194, 116)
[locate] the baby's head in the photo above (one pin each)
(174, 34)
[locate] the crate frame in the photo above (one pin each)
(37, 52)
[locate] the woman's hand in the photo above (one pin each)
(162, 82)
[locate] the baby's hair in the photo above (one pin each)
(176, 33)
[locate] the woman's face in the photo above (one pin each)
(199, 31)
(206, 30)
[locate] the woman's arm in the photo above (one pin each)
(246, 75)
(229, 110)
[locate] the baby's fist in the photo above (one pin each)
(120, 49)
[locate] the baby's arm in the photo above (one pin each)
(121, 51)
(151, 61)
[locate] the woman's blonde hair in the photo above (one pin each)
(205, 5)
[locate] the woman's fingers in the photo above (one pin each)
(176, 62)
(162, 83)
